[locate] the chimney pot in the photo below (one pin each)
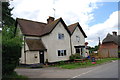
(50, 19)
(114, 33)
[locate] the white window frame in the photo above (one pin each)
(61, 36)
(62, 53)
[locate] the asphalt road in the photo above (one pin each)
(108, 70)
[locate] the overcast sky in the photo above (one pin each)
(97, 18)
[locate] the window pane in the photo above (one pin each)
(60, 36)
(64, 52)
(77, 50)
(58, 52)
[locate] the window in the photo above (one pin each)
(60, 36)
(77, 38)
(61, 52)
(77, 50)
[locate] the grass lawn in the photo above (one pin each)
(74, 65)
(14, 76)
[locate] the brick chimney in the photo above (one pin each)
(114, 33)
(50, 19)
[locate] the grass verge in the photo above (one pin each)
(14, 76)
(75, 65)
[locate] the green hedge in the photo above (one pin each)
(11, 52)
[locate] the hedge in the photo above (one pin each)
(75, 56)
(11, 52)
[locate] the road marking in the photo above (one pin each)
(87, 71)
(83, 73)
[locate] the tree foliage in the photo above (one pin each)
(11, 50)
(6, 15)
(11, 45)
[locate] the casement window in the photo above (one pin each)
(60, 36)
(61, 52)
(77, 50)
(77, 38)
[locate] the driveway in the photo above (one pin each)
(109, 70)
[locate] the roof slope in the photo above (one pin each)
(33, 28)
(111, 38)
(72, 28)
(35, 44)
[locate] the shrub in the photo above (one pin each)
(62, 62)
(11, 51)
(75, 56)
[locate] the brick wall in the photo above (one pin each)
(108, 50)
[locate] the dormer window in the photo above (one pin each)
(77, 38)
(60, 36)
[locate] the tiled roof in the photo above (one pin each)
(35, 44)
(72, 28)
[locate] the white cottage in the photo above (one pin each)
(48, 42)
(77, 39)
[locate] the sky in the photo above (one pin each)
(96, 17)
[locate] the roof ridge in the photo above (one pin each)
(73, 24)
(30, 20)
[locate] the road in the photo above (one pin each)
(108, 70)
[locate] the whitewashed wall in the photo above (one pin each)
(74, 42)
(53, 44)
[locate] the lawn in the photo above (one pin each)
(75, 65)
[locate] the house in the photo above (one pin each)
(77, 38)
(47, 42)
(109, 46)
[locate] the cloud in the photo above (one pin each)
(39, 10)
(71, 11)
(102, 29)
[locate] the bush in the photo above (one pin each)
(61, 62)
(11, 51)
(75, 56)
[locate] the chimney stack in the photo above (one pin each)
(50, 19)
(114, 33)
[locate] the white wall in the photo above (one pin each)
(30, 55)
(74, 42)
(53, 44)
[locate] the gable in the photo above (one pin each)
(73, 27)
(60, 28)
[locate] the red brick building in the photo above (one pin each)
(109, 46)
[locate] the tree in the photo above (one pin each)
(11, 45)
(6, 15)
(11, 50)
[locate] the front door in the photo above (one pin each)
(41, 56)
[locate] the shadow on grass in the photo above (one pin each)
(14, 76)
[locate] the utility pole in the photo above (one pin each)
(99, 41)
